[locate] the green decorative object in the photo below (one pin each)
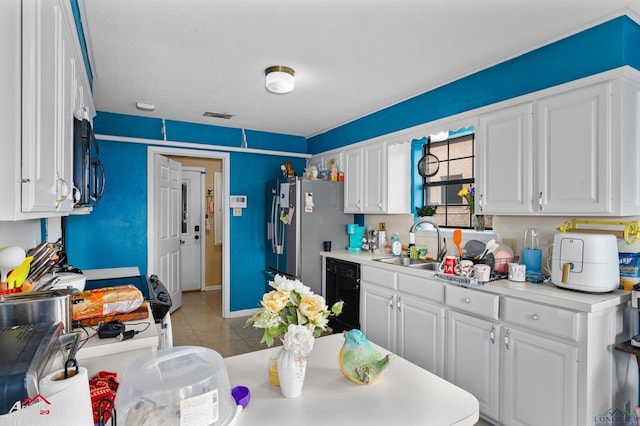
(426, 211)
(360, 361)
(479, 225)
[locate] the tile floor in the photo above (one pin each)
(199, 322)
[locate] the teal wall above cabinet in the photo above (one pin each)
(607, 46)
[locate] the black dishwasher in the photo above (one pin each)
(342, 281)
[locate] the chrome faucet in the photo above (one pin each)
(442, 251)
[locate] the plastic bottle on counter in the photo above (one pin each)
(396, 246)
(412, 245)
(382, 238)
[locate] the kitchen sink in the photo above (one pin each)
(428, 265)
(431, 265)
(399, 261)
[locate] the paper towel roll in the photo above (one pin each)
(61, 402)
(70, 399)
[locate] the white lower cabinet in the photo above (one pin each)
(473, 345)
(534, 364)
(539, 380)
(473, 358)
(518, 377)
(527, 362)
(398, 313)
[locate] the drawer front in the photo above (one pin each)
(421, 287)
(547, 319)
(472, 301)
(378, 276)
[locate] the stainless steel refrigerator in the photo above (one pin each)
(301, 215)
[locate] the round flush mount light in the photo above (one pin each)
(279, 79)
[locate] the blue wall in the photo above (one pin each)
(610, 45)
(115, 233)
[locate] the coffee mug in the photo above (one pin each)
(481, 272)
(463, 268)
(517, 272)
(448, 265)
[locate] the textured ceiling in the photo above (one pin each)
(351, 57)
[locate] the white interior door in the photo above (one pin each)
(192, 248)
(167, 207)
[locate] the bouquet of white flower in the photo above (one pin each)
(291, 302)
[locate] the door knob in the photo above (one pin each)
(197, 237)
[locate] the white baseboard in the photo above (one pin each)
(242, 313)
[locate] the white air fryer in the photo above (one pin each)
(585, 262)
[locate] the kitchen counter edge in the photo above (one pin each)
(546, 293)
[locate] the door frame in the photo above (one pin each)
(201, 222)
(226, 215)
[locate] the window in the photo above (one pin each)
(455, 157)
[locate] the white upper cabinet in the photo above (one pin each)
(574, 152)
(43, 43)
(503, 154)
(47, 105)
(377, 178)
(374, 178)
(352, 181)
(569, 150)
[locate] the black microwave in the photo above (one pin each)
(88, 173)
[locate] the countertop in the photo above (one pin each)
(541, 293)
(110, 354)
(407, 394)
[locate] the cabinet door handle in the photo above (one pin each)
(359, 205)
(398, 303)
(540, 201)
(535, 317)
(380, 205)
(492, 334)
(391, 302)
(507, 343)
(481, 203)
(467, 300)
(62, 193)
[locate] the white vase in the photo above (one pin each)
(291, 371)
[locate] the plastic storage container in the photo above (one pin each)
(183, 385)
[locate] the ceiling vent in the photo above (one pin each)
(217, 115)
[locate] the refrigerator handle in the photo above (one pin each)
(280, 227)
(269, 233)
(274, 224)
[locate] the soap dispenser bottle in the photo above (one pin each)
(396, 246)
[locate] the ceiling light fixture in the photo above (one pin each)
(279, 79)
